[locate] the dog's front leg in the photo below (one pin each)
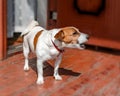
(40, 79)
(57, 63)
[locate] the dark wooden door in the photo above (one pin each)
(100, 19)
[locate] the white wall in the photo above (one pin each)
(42, 12)
(22, 12)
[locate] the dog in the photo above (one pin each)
(49, 44)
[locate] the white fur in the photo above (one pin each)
(45, 49)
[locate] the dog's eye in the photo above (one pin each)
(75, 33)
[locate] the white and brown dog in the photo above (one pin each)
(49, 44)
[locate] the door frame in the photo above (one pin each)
(3, 29)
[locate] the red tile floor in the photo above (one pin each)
(85, 73)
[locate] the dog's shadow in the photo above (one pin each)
(49, 70)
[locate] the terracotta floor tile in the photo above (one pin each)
(84, 73)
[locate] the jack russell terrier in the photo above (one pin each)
(49, 44)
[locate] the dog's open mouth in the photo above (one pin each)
(82, 46)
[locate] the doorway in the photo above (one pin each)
(20, 14)
(15, 16)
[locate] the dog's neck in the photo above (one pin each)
(55, 42)
(60, 50)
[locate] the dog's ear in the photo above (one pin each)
(60, 35)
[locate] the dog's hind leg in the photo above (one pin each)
(26, 51)
(57, 63)
(40, 79)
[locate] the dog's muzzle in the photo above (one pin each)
(83, 39)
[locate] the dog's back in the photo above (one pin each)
(29, 34)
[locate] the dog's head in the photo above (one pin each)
(71, 35)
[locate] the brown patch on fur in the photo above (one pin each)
(60, 35)
(36, 39)
(68, 35)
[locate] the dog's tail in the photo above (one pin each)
(30, 26)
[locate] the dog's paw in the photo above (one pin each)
(58, 77)
(40, 81)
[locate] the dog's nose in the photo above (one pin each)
(87, 36)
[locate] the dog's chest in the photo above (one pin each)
(53, 52)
